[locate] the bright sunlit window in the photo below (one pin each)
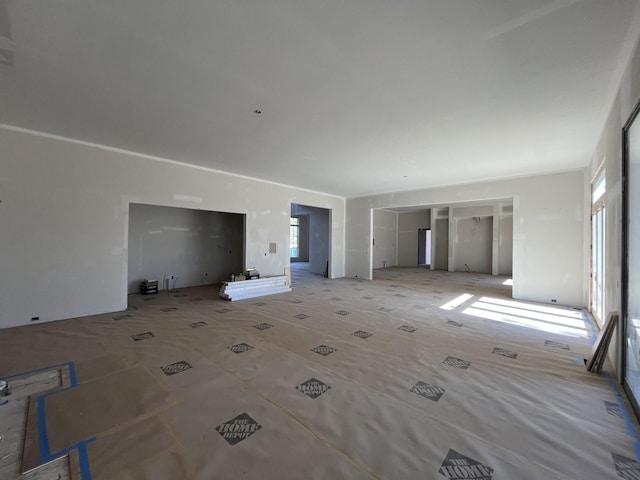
(294, 235)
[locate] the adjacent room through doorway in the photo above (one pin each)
(474, 237)
(310, 237)
(182, 247)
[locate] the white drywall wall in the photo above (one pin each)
(548, 230)
(408, 225)
(479, 249)
(64, 211)
(609, 149)
(385, 234)
(196, 247)
(472, 244)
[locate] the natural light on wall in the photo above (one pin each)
(539, 317)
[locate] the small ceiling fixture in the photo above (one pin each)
(257, 112)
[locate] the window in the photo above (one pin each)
(294, 237)
(598, 241)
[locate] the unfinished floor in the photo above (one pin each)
(417, 374)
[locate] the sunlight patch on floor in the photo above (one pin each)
(456, 302)
(539, 317)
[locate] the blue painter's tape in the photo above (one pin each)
(631, 429)
(70, 449)
(623, 408)
(72, 375)
(37, 370)
(83, 459)
(579, 360)
(594, 333)
(43, 437)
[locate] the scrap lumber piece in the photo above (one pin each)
(599, 351)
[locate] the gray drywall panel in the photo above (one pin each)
(65, 220)
(385, 238)
(185, 246)
(473, 244)
(408, 225)
(505, 249)
(441, 242)
(548, 230)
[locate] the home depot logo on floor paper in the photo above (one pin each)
(460, 467)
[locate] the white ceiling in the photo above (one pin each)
(357, 96)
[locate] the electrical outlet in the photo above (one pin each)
(35, 319)
(553, 300)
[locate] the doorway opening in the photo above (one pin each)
(310, 238)
(424, 247)
(294, 239)
(182, 247)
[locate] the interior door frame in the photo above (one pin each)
(635, 115)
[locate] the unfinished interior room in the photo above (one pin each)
(320, 240)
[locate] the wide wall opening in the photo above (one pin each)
(475, 237)
(181, 247)
(310, 237)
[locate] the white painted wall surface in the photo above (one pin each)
(472, 245)
(408, 225)
(64, 215)
(385, 233)
(548, 230)
(609, 148)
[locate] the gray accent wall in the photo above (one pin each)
(195, 247)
